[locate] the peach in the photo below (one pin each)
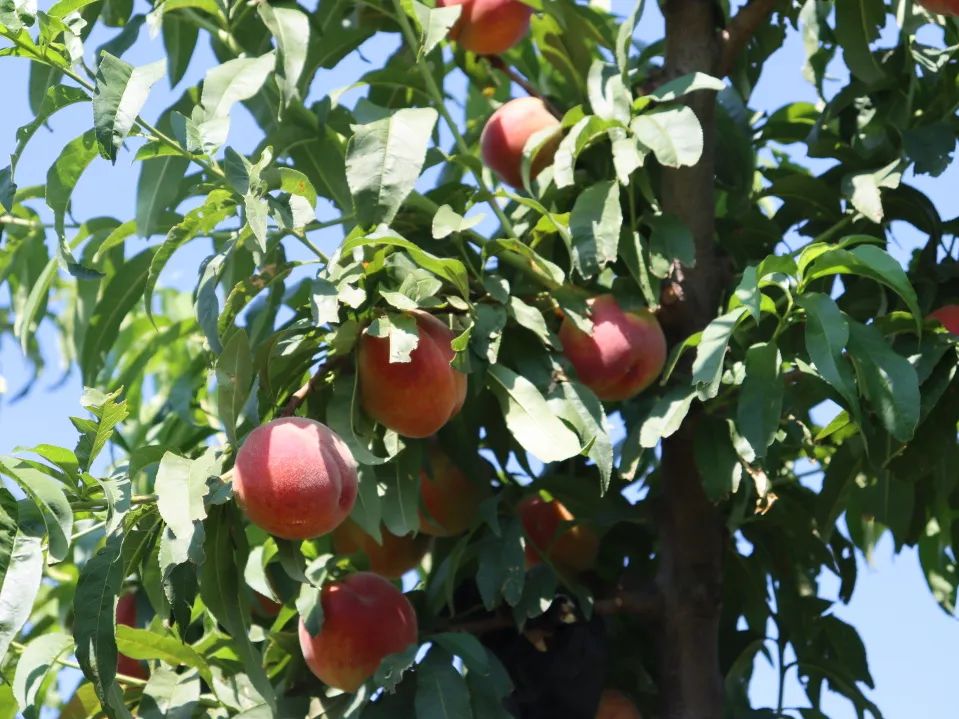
(450, 498)
(489, 27)
(568, 547)
(391, 559)
(507, 132)
(616, 705)
(623, 356)
(413, 398)
(943, 7)
(295, 478)
(365, 618)
(127, 616)
(948, 316)
(266, 606)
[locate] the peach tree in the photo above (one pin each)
(610, 368)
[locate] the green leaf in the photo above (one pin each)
(181, 488)
(226, 553)
(595, 224)
(716, 459)
(858, 23)
(109, 412)
(157, 188)
(694, 82)
(121, 91)
(116, 299)
(502, 571)
(33, 667)
(169, 695)
(143, 644)
(199, 221)
(384, 160)
(583, 410)
(673, 134)
(224, 86)
(827, 333)
(466, 647)
(669, 240)
(666, 416)
(887, 379)
(761, 397)
(866, 261)
(711, 353)
(529, 418)
(533, 320)
(21, 567)
(65, 172)
(291, 28)
(400, 503)
(624, 38)
(179, 40)
(55, 99)
(446, 221)
(435, 24)
(441, 691)
(580, 136)
(51, 501)
(608, 96)
(234, 375)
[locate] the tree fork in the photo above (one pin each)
(690, 527)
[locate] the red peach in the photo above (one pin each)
(623, 356)
(393, 558)
(365, 618)
(295, 478)
(943, 7)
(489, 27)
(413, 398)
(266, 606)
(546, 523)
(507, 132)
(451, 499)
(127, 616)
(616, 705)
(948, 316)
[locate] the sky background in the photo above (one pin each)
(912, 645)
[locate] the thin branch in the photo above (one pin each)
(499, 64)
(299, 397)
(740, 29)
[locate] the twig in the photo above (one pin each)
(299, 397)
(499, 64)
(740, 29)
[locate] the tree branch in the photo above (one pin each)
(299, 397)
(740, 29)
(499, 64)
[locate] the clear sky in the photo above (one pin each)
(912, 645)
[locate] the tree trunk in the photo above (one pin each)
(690, 527)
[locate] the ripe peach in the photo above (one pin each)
(623, 356)
(266, 606)
(391, 559)
(943, 7)
(127, 616)
(489, 27)
(616, 705)
(365, 618)
(451, 499)
(569, 547)
(506, 134)
(948, 316)
(295, 478)
(413, 398)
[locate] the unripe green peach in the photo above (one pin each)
(392, 558)
(295, 478)
(489, 27)
(415, 398)
(550, 532)
(623, 356)
(507, 132)
(365, 618)
(450, 498)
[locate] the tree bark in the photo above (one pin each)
(690, 526)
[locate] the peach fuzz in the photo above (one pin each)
(365, 618)
(414, 398)
(548, 531)
(489, 27)
(507, 132)
(623, 356)
(295, 478)
(127, 616)
(943, 7)
(616, 705)
(449, 497)
(948, 317)
(392, 558)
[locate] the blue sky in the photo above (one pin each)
(912, 645)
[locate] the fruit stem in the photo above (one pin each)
(499, 64)
(440, 105)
